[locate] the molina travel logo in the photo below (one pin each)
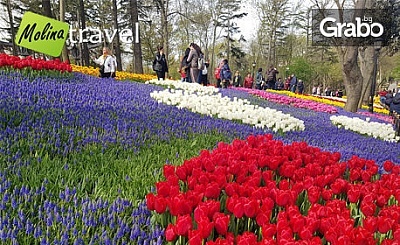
(48, 36)
(42, 34)
(350, 27)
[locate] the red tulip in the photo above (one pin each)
(183, 225)
(353, 193)
(283, 198)
(313, 194)
(339, 186)
(305, 233)
(181, 172)
(247, 238)
(150, 201)
(370, 224)
(212, 191)
(297, 223)
(269, 230)
(388, 166)
(263, 217)
(205, 227)
(384, 224)
(238, 209)
(163, 188)
(326, 194)
(368, 209)
(160, 204)
(195, 237)
(251, 208)
(366, 176)
(221, 222)
(170, 234)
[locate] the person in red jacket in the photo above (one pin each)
(217, 73)
(248, 81)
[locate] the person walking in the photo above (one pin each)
(271, 77)
(300, 86)
(293, 83)
(160, 65)
(193, 59)
(184, 67)
(259, 79)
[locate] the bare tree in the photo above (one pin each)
(64, 54)
(272, 14)
(46, 6)
(85, 50)
(348, 57)
(137, 46)
(12, 28)
(117, 46)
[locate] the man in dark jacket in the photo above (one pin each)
(271, 77)
(293, 83)
(395, 104)
(160, 65)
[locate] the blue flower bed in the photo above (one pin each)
(70, 126)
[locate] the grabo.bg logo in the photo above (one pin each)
(356, 27)
(48, 36)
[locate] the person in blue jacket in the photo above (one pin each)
(225, 74)
(293, 83)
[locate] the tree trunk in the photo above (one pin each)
(10, 17)
(117, 46)
(164, 25)
(352, 78)
(137, 46)
(213, 58)
(85, 50)
(348, 56)
(64, 54)
(366, 57)
(47, 8)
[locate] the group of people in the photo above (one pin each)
(194, 68)
(268, 81)
(317, 90)
(391, 100)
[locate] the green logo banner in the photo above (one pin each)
(42, 34)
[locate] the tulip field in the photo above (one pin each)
(133, 160)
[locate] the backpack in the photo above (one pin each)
(102, 66)
(227, 74)
(259, 78)
(270, 75)
(200, 62)
(204, 71)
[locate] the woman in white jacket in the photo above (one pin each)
(107, 62)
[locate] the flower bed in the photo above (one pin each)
(378, 130)
(120, 75)
(292, 101)
(339, 102)
(78, 154)
(15, 62)
(260, 191)
(207, 101)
